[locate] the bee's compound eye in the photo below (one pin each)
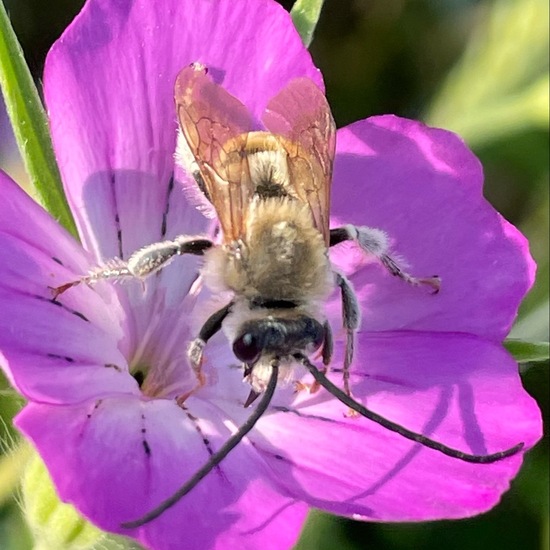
(246, 348)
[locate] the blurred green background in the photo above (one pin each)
(479, 68)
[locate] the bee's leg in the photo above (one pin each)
(196, 348)
(375, 242)
(328, 347)
(326, 355)
(351, 315)
(142, 262)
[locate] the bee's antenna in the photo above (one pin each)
(215, 459)
(392, 426)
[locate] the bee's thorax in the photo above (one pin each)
(282, 257)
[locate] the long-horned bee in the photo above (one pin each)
(270, 191)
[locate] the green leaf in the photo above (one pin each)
(500, 85)
(30, 126)
(305, 14)
(528, 352)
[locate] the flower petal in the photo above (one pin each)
(109, 87)
(127, 455)
(458, 390)
(24, 220)
(424, 188)
(53, 351)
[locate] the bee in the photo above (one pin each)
(270, 192)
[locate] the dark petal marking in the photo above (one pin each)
(80, 315)
(375, 378)
(301, 415)
(338, 370)
(144, 442)
(167, 208)
(113, 366)
(117, 218)
(57, 303)
(96, 406)
(205, 441)
(57, 260)
(215, 460)
(146, 447)
(64, 357)
(276, 456)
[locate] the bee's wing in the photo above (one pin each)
(214, 127)
(301, 115)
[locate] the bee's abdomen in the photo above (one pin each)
(286, 256)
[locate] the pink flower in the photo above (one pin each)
(116, 448)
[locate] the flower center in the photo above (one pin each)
(139, 376)
(159, 379)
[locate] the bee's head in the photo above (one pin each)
(277, 337)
